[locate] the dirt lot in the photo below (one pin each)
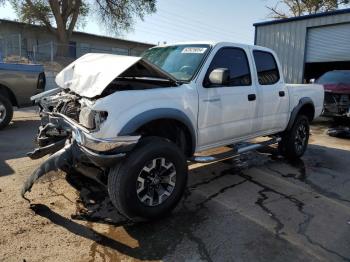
(256, 208)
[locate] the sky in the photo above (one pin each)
(188, 20)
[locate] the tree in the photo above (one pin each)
(60, 17)
(293, 8)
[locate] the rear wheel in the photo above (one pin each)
(150, 181)
(6, 111)
(295, 141)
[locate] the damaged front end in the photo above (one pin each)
(67, 134)
(336, 104)
(78, 135)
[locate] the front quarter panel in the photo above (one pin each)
(124, 106)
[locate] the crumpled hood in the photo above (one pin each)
(89, 75)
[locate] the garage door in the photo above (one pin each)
(328, 44)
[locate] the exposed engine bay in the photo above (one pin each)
(66, 134)
(63, 102)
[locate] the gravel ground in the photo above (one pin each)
(255, 208)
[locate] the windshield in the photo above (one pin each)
(335, 77)
(181, 61)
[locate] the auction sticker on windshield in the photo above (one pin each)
(194, 50)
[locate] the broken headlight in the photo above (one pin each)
(91, 119)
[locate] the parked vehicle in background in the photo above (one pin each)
(18, 82)
(133, 123)
(337, 93)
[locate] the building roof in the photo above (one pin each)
(286, 20)
(77, 32)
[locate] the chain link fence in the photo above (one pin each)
(54, 56)
(15, 49)
(11, 49)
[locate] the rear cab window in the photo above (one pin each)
(266, 67)
(235, 59)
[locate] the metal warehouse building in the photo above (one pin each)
(308, 46)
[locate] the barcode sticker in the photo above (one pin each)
(194, 50)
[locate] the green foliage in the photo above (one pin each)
(292, 8)
(118, 15)
(33, 13)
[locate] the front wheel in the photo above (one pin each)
(295, 141)
(150, 181)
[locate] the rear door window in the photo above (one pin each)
(266, 68)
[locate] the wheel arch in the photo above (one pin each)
(171, 119)
(306, 107)
(4, 90)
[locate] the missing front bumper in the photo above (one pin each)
(73, 148)
(72, 156)
(86, 139)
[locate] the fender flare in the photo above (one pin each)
(159, 113)
(302, 102)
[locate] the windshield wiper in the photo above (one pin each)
(145, 78)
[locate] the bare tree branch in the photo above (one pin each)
(275, 13)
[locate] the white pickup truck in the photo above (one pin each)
(134, 123)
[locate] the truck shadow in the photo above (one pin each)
(156, 240)
(15, 141)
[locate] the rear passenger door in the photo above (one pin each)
(273, 100)
(225, 112)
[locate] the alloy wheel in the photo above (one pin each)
(301, 137)
(156, 182)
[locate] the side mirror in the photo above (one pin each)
(219, 76)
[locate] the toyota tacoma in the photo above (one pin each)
(134, 123)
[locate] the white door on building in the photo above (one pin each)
(328, 43)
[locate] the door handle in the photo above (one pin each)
(281, 93)
(251, 97)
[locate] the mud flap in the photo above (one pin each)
(54, 162)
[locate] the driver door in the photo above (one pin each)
(227, 111)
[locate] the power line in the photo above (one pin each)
(194, 29)
(186, 32)
(198, 23)
(157, 33)
(165, 36)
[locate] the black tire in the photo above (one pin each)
(294, 142)
(6, 111)
(124, 180)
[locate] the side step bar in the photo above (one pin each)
(236, 150)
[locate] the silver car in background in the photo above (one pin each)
(18, 82)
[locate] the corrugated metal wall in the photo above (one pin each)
(288, 39)
(328, 43)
